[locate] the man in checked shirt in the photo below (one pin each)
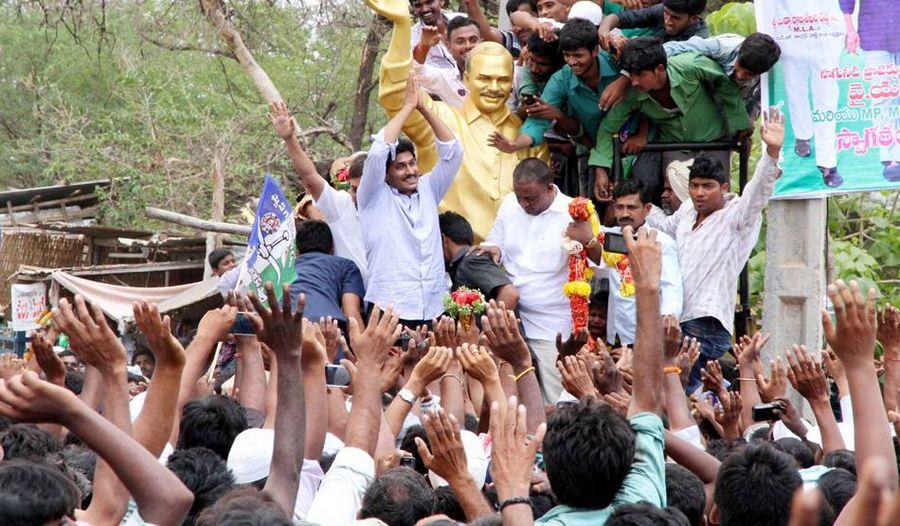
(715, 232)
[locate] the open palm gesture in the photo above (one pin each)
(281, 119)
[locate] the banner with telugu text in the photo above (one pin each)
(838, 83)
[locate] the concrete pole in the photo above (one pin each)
(794, 279)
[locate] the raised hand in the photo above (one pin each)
(712, 377)
(512, 458)
(771, 131)
(619, 402)
(747, 350)
(853, 336)
(315, 347)
(216, 323)
(690, 353)
(10, 366)
(28, 399)
(282, 326)
(729, 417)
(90, 336)
(501, 330)
(672, 340)
(789, 415)
(445, 332)
(431, 36)
(644, 256)
(446, 456)
(501, 142)
(607, 376)
(570, 347)
(332, 334)
(430, 368)
(477, 362)
(46, 358)
(397, 11)
(411, 95)
(888, 332)
(284, 124)
(370, 344)
(166, 348)
(806, 375)
(776, 385)
(576, 378)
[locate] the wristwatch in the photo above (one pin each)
(407, 396)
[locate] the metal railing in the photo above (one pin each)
(742, 316)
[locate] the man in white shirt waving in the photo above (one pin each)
(527, 239)
(632, 207)
(338, 207)
(715, 232)
(399, 207)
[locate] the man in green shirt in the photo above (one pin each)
(675, 95)
(576, 88)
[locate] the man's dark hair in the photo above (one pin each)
(550, 50)
(578, 33)
(66, 353)
(838, 486)
(355, 170)
(758, 53)
(631, 186)
(399, 497)
(446, 503)
(642, 54)
(706, 168)
(213, 422)
(645, 514)
(408, 444)
(722, 448)
(35, 493)
(458, 22)
(685, 491)
(840, 458)
(141, 350)
(456, 227)
(533, 170)
(755, 486)
(403, 145)
(513, 5)
(75, 381)
(588, 450)
(205, 474)
(27, 442)
(797, 450)
(314, 236)
(242, 506)
(686, 7)
(217, 255)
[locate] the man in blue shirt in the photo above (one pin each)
(333, 285)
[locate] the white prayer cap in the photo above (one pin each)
(586, 10)
(251, 455)
(678, 173)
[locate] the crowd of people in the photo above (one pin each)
(350, 396)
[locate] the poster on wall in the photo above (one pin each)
(28, 302)
(838, 83)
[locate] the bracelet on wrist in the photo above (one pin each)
(746, 379)
(671, 369)
(517, 377)
(512, 501)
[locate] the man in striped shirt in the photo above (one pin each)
(715, 232)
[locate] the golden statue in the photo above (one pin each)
(485, 176)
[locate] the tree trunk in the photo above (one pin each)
(215, 13)
(364, 83)
(214, 240)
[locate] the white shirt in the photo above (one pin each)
(341, 492)
(622, 318)
(311, 476)
(402, 237)
(340, 214)
(438, 56)
(443, 82)
(713, 254)
(536, 262)
(656, 216)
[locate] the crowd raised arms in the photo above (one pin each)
(488, 325)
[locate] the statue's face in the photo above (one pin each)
(489, 80)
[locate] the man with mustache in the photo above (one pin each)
(403, 244)
(485, 176)
(631, 206)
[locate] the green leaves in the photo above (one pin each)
(733, 17)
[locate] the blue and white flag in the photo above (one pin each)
(271, 248)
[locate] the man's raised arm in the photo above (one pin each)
(286, 128)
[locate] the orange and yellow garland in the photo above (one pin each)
(578, 288)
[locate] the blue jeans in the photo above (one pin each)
(714, 342)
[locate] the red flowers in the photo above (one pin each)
(578, 209)
(465, 297)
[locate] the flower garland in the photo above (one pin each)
(578, 288)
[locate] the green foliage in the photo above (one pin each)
(733, 17)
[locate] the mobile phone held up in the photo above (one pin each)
(336, 376)
(613, 242)
(766, 412)
(241, 325)
(529, 99)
